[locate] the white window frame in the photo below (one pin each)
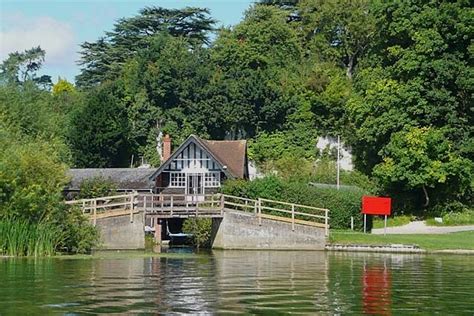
(177, 180)
(212, 179)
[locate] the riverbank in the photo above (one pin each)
(420, 227)
(421, 243)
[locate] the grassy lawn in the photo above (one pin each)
(392, 221)
(461, 240)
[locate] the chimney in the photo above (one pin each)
(166, 147)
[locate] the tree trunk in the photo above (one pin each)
(427, 198)
(350, 67)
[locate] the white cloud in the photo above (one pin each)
(55, 37)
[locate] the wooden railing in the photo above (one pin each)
(280, 211)
(108, 206)
(181, 205)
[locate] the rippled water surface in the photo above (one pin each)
(225, 282)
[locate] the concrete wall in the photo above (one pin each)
(238, 230)
(119, 233)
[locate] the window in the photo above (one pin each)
(177, 180)
(212, 179)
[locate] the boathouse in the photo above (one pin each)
(198, 167)
(195, 168)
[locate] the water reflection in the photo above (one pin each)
(240, 282)
(377, 283)
(258, 281)
(386, 284)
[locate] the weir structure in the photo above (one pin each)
(238, 223)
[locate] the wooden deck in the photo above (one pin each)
(206, 206)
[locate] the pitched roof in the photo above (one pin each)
(124, 178)
(232, 153)
(229, 154)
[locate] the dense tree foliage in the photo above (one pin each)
(33, 164)
(98, 134)
(103, 59)
(394, 79)
(23, 67)
(424, 159)
(295, 70)
(418, 75)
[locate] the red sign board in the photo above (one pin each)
(374, 205)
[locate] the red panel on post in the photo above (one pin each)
(374, 205)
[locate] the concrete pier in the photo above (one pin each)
(118, 232)
(239, 230)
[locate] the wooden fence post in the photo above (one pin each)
(326, 224)
(94, 208)
(222, 201)
(292, 217)
(259, 212)
(132, 206)
(171, 203)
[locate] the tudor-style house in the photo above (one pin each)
(198, 167)
(195, 168)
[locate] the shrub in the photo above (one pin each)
(448, 208)
(31, 178)
(342, 204)
(392, 221)
(463, 218)
(96, 187)
(80, 235)
(200, 228)
(268, 187)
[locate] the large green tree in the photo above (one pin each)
(22, 67)
(340, 31)
(423, 160)
(417, 75)
(103, 59)
(163, 90)
(257, 69)
(98, 130)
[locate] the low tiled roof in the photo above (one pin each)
(124, 178)
(231, 153)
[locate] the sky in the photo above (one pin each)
(60, 26)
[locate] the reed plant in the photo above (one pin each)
(20, 237)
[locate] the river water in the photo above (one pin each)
(250, 282)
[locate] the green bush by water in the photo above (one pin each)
(19, 237)
(200, 228)
(67, 231)
(343, 204)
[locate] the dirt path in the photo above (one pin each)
(420, 227)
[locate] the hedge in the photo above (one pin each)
(342, 203)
